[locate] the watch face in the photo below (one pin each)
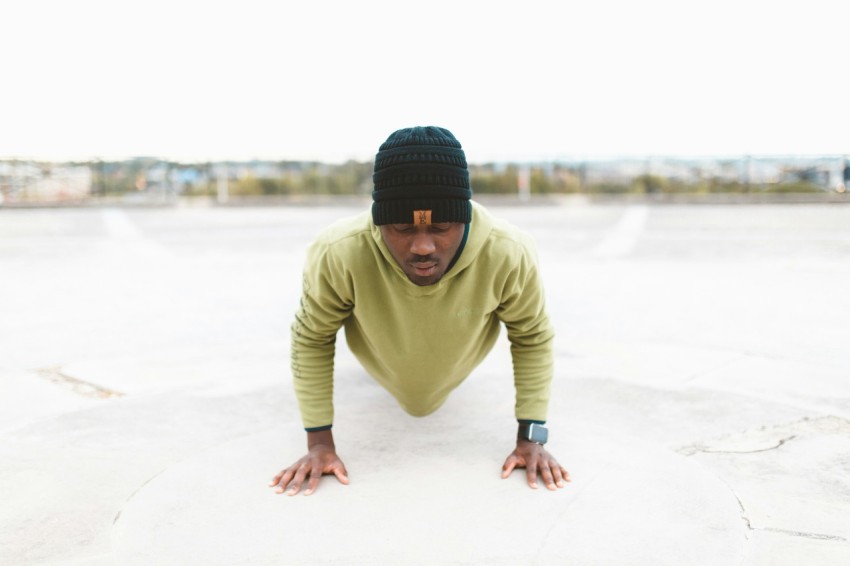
(538, 434)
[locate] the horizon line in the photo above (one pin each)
(503, 160)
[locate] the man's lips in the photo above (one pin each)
(423, 267)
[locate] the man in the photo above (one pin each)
(422, 285)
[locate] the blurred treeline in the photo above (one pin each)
(355, 178)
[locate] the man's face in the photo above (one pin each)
(423, 251)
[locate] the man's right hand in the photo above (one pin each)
(321, 459)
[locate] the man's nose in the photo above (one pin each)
(422, 244)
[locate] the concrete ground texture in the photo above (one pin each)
(701, 397)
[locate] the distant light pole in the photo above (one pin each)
(837, 174)
(221, 184)
(524, 183)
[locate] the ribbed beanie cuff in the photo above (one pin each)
(402, 211)
(421, 169)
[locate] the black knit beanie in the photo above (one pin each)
(421, 177)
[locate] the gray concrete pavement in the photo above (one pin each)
(701, 399)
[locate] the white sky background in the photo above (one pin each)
(513, 80)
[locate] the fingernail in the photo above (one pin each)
(534, 485)
(308, 492)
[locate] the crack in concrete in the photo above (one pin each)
(768, 438)
(743, 512)
(745, 551)
(694, 449)
(78, 386)
(135, 491)
(816, 536)
(751, 529)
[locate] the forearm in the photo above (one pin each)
(532, 354)
(312, 361)
(533, 370)
(312, 379)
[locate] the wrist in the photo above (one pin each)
(320, 439)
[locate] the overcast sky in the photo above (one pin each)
(513, 80)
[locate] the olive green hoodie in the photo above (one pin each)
(420, 342)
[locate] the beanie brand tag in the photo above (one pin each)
(421, 216)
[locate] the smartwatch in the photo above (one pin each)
(533, 432)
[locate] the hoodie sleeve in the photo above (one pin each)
(523, 311)
(325, 304)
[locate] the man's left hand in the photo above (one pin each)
(536, 460)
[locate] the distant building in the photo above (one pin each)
(42, 182)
